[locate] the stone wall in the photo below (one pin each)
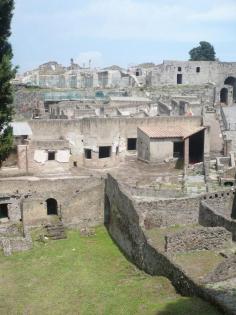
(28, 103)
(80, 200)
(167, 212)
(209, 71)
(16, 244)
(91, 133)
(208, 216)
(197, 239)
(123, 223)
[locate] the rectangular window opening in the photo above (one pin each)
(179, 78)
(51, 155)
(131, 144)
(179, 69)
(104, 152)
(88, 154)
(3, 210)
(117, 150)
(198, 69)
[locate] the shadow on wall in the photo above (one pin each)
(233, 213)
(107, 211)
(189, 306)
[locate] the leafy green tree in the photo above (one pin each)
(205, 52)
(7, 73)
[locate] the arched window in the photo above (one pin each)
(231, 81)
(51, 206)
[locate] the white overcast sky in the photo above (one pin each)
(120, 32)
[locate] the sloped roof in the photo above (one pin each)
(21, 128)
(171, 131)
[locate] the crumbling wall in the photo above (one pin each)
(210, 238)
(80, 204)
(209, 217)
(123, 224)
(167, 212)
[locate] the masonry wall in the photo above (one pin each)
(123, 224)
(90, 133)
(80, 201)
(167, 212)
(209, 238)
(160, 149)
(208, 216)
(210, 71)
(143, 146)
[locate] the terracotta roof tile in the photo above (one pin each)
(171, 131)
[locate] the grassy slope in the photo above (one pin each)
(86, 276)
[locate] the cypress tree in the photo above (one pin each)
(7, 73)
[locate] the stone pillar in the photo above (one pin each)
(22, 154)
(206, 154)
(186, 152)
(206, 148)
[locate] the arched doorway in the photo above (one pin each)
(232, 81)
(52, 206)
(224, 95)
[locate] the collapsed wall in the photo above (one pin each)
(125, 222)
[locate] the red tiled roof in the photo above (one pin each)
(171, 131)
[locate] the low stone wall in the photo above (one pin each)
(167, 212)
(209, 217)
(210, 238)
(15, 244)
(225, 270)
(123, 221)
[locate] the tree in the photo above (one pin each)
(205, 51)
(7, 73)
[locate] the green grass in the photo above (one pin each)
(86, 275)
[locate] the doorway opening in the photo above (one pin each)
(196, 147)
(224, 96)
(52, 206)
(179, 78)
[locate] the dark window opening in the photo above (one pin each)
(178, 150)
(51, 206)
(88, 153)
(179, 69)
(51, 155)
(3, 210)
(131, 144)
(75, 164)
(228, 184)
(179, 78)
(196, 147)
(198, 69)
(137, 73)
(224, 96)
(104, 152)
(117, 150)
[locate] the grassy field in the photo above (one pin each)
(86, 275)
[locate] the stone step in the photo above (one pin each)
(56, 231)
